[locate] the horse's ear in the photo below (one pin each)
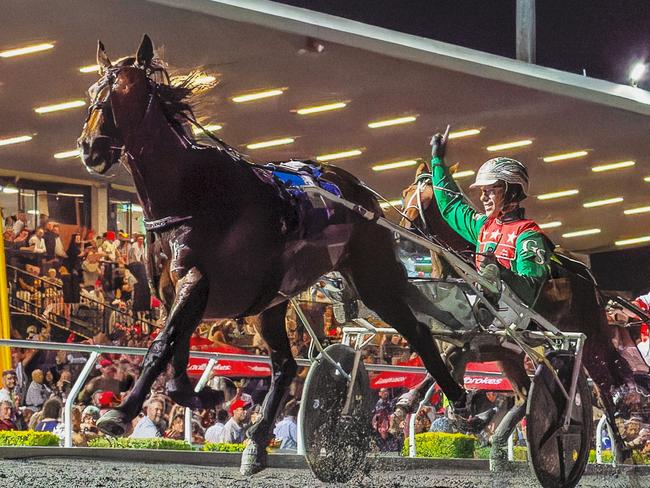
(102, 58)
(145, 52)
(454, 168)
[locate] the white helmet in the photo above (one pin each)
(503, 169)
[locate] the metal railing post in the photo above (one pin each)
(74, 391)
(427, 397)
(205, 376)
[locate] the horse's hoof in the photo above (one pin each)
(113, 423)
(253, 459)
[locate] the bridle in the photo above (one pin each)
(421, 181)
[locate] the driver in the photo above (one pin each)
(512, 248)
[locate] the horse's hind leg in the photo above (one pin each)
(185, 314)
(382, 284)
(284, 370)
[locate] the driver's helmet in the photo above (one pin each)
(508, 170)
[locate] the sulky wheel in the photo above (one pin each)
(557, 457)
(336, 446)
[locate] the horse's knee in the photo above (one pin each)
(159, 350)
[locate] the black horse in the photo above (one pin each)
(226, 240)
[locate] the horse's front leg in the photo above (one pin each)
(185, 314)
(273, 331)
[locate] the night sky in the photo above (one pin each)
(603, 37)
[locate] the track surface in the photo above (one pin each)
(64, 472)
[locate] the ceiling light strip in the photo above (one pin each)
(463, 174)
(60, 106)
(26, 50)
(557, 194)
(258, 95)
(580, 233)
(600, 203)
(68, 154)
(638, 210)
(388, 122)
(464, 133)
(210, 128)
(271, 143)
(635, 240)
(340, 155)
(609, 167)
(509, 145)
(562, 157)
(15, 140)
(550, 225)
(321, 108)
(396, 164)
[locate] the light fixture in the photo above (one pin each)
(210, 128)
(204, 79)
(321, 108)
(611, 166)
(562, 157)
(391, 203)
(634, 240)
(35, 48)
(464, 133)
(637, 72)
(91, 68)
(72, 195)
(388, 122)
(579, 233)
(15, 140)
(136, 208)
(68, 154)
(60, 106)
(557, 194)
(463, 174)
(600, 203)
(270, 143)
(509, 145)
(10, 190)
(340, 155)
(258, 95)
(550, 225)
(33, 212)
(396, 164)
(638, 210)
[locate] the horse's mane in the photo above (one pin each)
(178, 95)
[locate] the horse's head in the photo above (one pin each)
(416, 197)
(119, 101)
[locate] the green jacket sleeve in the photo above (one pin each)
(457, 213)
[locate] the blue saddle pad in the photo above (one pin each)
(298, 174)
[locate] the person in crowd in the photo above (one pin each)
(109, 246)
(20, 359)
(150, 425)
(91, 269)
(233, 432)
(107, 380)
(71, 291)
(384, 403)
(38, 392)
(385, 441)
(213, 433)
(20, 224)
(6, 415)
(511, 247)
(37, 243)
(137, 250)
(89, 418)
(176, 427)
(9, 391)
(286, 431)
(50, 415)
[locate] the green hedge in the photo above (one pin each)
(128, 443)
(28, 438)
(607, 456)
(521, 454)
(223, 447)
(441, 445)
